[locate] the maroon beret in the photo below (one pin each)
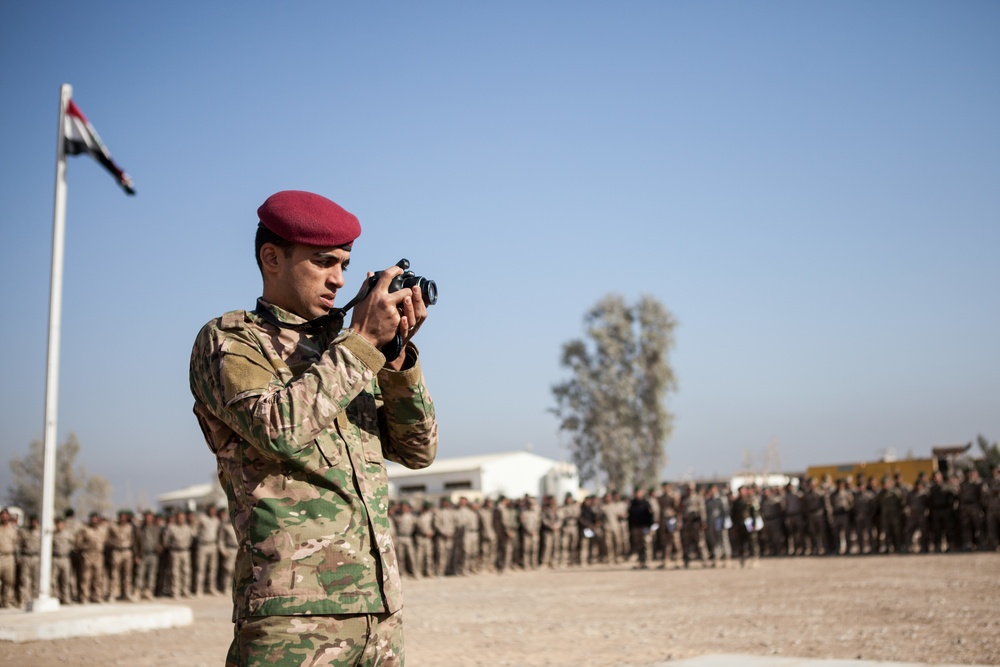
(309, 219)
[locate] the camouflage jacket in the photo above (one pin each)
(300, 424)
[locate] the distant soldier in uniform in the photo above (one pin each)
(717, 525)
(551, 526)
(147, 549)
(670, 525)
(406, 526)
(90, 542)
(816, 511)
(425, 540)
(693, 526)
(795, 523)
(640, 522)
(941, 500)
(746, 519)
(121, 542)
(467, 554)
(506, 526)
(993, 509)
(445, 525)
(487, 537)
(569, 533)
(865, 500)
(530, 526)
(207, 553)
(609, 512)
(8, 558)
(891, 502)
(971, 502)
(177, 540)
(228, 546)
(62, 568)
(841, 502)
(29, 560)
(917, 520)
(772, 512)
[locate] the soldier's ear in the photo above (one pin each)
(270, 257)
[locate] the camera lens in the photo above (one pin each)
(429, 290)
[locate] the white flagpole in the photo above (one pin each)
(45, 602)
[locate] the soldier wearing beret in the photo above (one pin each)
(301, 413)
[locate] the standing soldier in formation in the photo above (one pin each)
(640, 520)
(941, 499)
(487, 537)
(693, 526)
(530, 524)
(841, 503)
(121, 542)
(62, 568)
(772, 511)
(717, 525)
(971, 494)
(505, 524)
(177, 540)
(8, 558)
(468, 551)
(865, 530)
(425, 540)
(569, 533)
(228, 546)
(891, 502)
(795, 520)
(746, 519)
(148, 550)
(445, 525)
(90, 542)
(30, 542)
(669, 533)
(551, 526)
(406, 526)
(207, 561)
(816, 510)
(612, 542)
(917, 520)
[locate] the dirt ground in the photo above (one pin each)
(923, 608)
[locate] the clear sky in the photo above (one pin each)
(812, 189)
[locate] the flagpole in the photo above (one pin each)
(45, 602)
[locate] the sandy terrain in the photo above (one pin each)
(935, 609)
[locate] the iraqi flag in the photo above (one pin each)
(81, 137)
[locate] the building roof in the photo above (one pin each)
(193, 491)
(460, 464)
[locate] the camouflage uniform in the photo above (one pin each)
(971, 494)
(693, 526)
(425, 541)
(228, 546)
(487, 538)
(207, 559)
(8, 559)
(90, 542)
(177, 540)
(300, 422)
(551, 523)
(717, 526)
(669, 533)
(30, 559)
(569, 517)
(121, 540)
(406, 526)
(468, 518)
(445, 526)
(772, 510)
(530, 520)
(62, 569)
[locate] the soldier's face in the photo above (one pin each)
(305, 282)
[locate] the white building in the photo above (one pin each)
(191, 498)
(511, 474)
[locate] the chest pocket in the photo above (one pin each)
(363, 415)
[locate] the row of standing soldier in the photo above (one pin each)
(712, 525)
(177, 555)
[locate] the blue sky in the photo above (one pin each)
(810, 188)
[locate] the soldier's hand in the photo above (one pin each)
(379, 315)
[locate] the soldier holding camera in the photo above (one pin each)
(301, 413)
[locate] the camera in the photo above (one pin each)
(407, 279)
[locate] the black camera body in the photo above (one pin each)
(407, 279)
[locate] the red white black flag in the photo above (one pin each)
(81, 137)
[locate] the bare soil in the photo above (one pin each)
(924, 608)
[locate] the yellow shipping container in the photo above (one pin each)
(907, 468)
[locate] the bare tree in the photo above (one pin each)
(613, 403)
(26, 489)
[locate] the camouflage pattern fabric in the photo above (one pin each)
(300, 424)
(333, 641)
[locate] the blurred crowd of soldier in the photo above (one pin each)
(711, 524)
(181, 554)
(189, 554)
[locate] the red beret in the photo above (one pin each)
(309, 219)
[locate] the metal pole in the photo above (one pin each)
(44, 601)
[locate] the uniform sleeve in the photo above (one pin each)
(237, 388)
(407, 423)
